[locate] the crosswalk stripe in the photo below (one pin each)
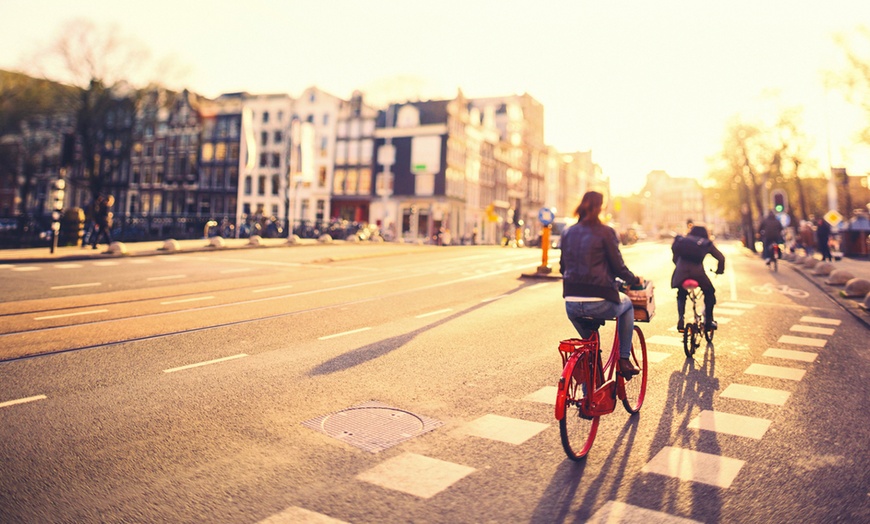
(614, 511)
(687, 464)
(503, 429)
(726, 311)
(775, 372)
(776, 397)
(804, 341)
(803, 356)
(730, 424)
(812, 329)
(820, 320)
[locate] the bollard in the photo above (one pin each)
(544, 268)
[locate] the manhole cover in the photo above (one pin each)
(372, 426)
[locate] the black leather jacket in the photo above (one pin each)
(591, 261)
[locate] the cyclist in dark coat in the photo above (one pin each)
(590, 264)
(689, 253)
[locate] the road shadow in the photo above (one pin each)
(556, 502)
(361, 355)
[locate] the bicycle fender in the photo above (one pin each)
(562, 388)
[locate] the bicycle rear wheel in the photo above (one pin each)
(576, 429)
(635, 388)
(691, 339)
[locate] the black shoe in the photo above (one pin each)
(711, 326)
(627, 369)
(681, 326)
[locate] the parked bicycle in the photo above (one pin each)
(697, 327)
(589, 386)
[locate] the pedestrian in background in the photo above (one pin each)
(823, 239)
(103, 218)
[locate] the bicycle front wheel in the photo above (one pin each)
(576, 429)
(635, 387)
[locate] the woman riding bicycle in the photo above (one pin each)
(689, 253)
(590, 263)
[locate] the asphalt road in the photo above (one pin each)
(410, 384)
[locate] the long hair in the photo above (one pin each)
(590, 208)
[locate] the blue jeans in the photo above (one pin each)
(605, 310)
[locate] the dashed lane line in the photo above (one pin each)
(206, 363)
(351, 332)
(185, 300)
(73, 286)
(431, 313)
(25, 400)
(166, 277)
(76, 314)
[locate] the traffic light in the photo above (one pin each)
(57, 194)
(780, 201)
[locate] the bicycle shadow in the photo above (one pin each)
(363, 354)
(556, 502)
(690, 391)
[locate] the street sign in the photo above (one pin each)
(833, 217)
(546, 216)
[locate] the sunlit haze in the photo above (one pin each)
(644, 85)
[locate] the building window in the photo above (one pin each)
(265, 116)
(279, 137)
(264, 138)
(276, 160)
(321, 210)
(207, 152)
(365, 181)
(338, 182)
(261, 185)
(276, 183)
(321, 177)
(220, 152)
(350, 182)
(248, 183)
(264, 159)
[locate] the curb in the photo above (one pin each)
(851, 306)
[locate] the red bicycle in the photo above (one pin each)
(589, 387)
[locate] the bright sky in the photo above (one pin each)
(644, 85)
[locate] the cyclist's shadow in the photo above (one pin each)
(556, 502)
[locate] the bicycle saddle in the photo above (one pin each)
(690, 284)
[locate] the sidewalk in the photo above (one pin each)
(857, 267)
(133, 249)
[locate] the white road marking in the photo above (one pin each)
(71, 286)
(24, 400)
(206, 363)
(297, 515)
(67, 266)
(812, 329)
(614, 511)
(424, 315)
(263, 290)
(656, 356)
(503, 429)
(183, 300)
(687, 464)
(803, 356)
(545, 395)
(64, 315)
(168, 277)
(725, 311)
(415, 474)
(739, 425)
(775, 372)
(26, 268)
(360, 330)
(776, 397)
(820, 320)
(805, 341)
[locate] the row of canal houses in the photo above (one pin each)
(478, 167)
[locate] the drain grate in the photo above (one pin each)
(372, 426)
